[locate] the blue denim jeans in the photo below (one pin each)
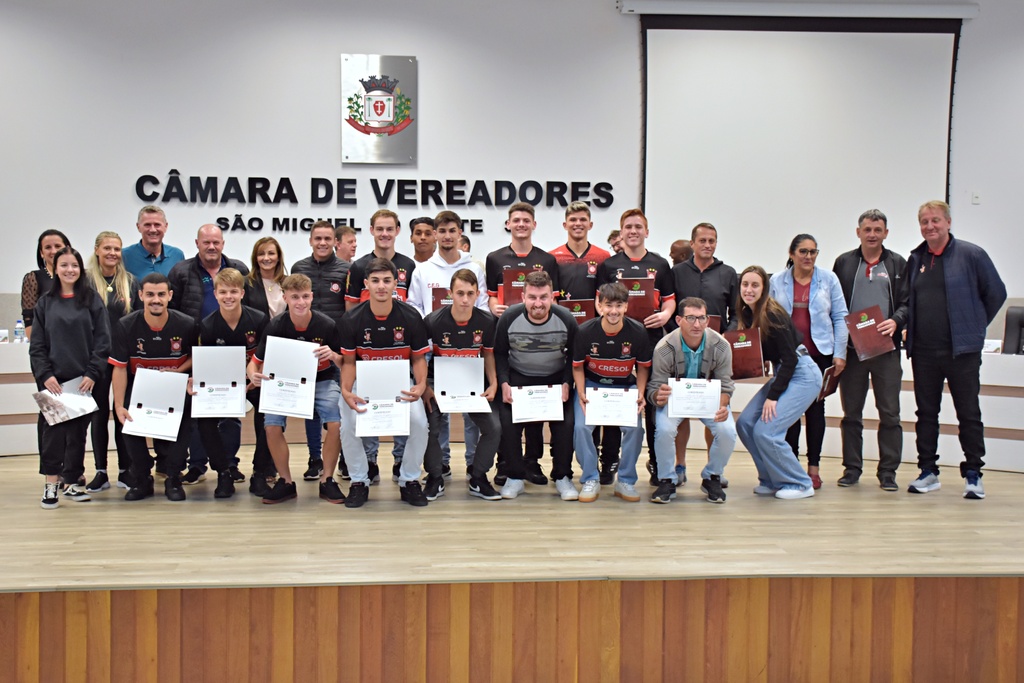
(586, 451)
(665, 429)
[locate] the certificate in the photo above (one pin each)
(699, 398)
(71, 403)
(512, 282)
(458, 385)
(641, 303)
(540, 403)
(612, 406)
(383, 418)
(218, 378)
(867, 340)
(156, 404)
(747, 356)
(382, 380)
(291, 367)
(582, 309)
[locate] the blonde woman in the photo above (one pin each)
(263, 284)
(119, 293)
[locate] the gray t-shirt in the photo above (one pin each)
(871, 287)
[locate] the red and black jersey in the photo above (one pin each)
(214, 331)
(650, 265)
(356, 291)
(505, 258)
(321, 330)
(137, 345)
(578, 274)
(467, 340)
(399, 336)
(611, 359)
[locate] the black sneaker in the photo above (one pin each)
(534, 474)
(887, 482)
(446, 471)
(193, 476)
(481, 488)
(173, 489)
(434, 488)
(665, 493)
(412, 493)
(141, 489)
(258, 485)
(358, 494)
(236, 475)
(225, 484)
(281, 492)
(396, 471)
(314, 469)
(713, 488)
(124, 479)
(373, 473)
(331, 492)
(848, 479)
(500, 478)
(608, 470)
(101, 482)
(652, 467)
(343, 471)
(51, 496)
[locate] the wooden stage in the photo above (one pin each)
(853, 584)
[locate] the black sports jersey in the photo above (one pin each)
(137, 345)
(578, 274)
(321, 330)
(214, 331)
(450, 338)
(611, 359)
(355, 291)
(399, 336)
(505, 258)
(650, 265)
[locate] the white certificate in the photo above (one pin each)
(383, 380)
(218, 378)
(612, 406)
(538, 403)
(70, 404)
(291, 366)
(458, 385)
(157, 403)
(694, 397)
(383, 418)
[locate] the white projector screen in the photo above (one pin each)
(768, 134)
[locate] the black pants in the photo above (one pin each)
(608, 442)
(100, 426)
(213, 442)
(886, 376)
(487, 446)
(172, 454)
(815, 418)
(512, 443)
(963, 374)
(62, 448)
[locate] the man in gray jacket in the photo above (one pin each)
(695, 352)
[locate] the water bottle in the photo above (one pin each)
(19, 332)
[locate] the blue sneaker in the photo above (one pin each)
(973, 490)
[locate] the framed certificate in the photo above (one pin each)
(218, 378)
(156, 404)
(540, 403)
(699, 398)
(612, 406)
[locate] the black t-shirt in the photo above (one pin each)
(650, 265)
(214, 331)
(399, 336)
(137, 345)
(356, 292)
(505, 258)
(931, 311)
(578, 274)
(611, 359)
(467, 340)
(321, 330)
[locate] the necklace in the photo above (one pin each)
(110, 280)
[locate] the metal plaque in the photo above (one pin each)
(379, 109)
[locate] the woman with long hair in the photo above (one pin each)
(814, 300)
(39, 281)
(794, 385)
(72, 340)
(263, 284)
(119, 292)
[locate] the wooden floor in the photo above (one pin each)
(109, 543)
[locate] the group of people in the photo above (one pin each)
(147, 306)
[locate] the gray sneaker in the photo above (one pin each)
(925, 483)
(973, 490)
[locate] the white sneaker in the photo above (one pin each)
(567, 489)
(764, 490)
(77, 493)
(794, 494)
(626, 492)
(512, 488)
(926, 483)
(591, 490)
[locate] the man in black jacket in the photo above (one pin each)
(873, 275)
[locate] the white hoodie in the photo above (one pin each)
(436, 272)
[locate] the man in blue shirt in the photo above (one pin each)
(150, 254)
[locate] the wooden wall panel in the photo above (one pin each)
(759, 629)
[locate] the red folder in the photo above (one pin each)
(715, 322)
(641, 297)
(747, 359)
(867, 340)
(442, 296)
(512, 283)
(582, 309)
(829, 383)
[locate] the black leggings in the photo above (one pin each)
(100, 426)
(815, 418)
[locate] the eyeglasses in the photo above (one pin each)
(695, 319)
(807, 252)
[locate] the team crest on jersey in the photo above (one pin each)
(618, 273)
(366, 334)
(250, 337)
(335, 287)
(652, 272)
(537, 266)
(175, 344)
(478, 336)
(399, 334)
(220, 342)
(594, 350)
(401, 274)
(446, 339)
(592, 268)
(627, 347)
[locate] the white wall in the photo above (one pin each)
(97, 95)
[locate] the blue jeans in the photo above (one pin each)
(665, 429)
(471, 433)
(776, 465)
(586, 451)
(325, 405)
(314, 437)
